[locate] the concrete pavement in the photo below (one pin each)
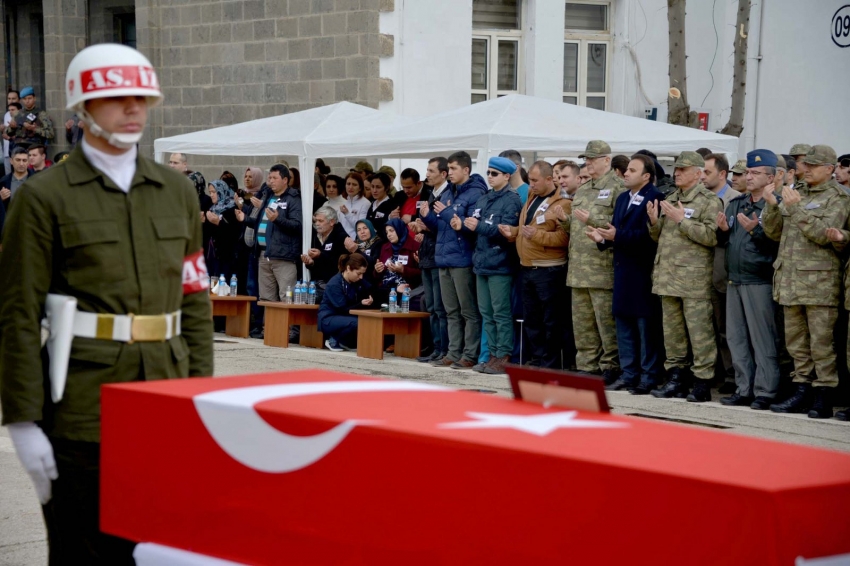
(22, 534)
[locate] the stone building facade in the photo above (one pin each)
(219, 61)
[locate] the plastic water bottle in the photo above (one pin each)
(312, 293)
(298, 292)
(405, 300)
(233, 291)
(393, 301)
(288, 298)
(223, 290)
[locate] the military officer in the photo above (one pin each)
(807, 279)
(684, 226)
(120, 235)
(799, 151)
(739, 177)
(591, 272)
(31, 125)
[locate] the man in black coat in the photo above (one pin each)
(326, 247)
(636, 310)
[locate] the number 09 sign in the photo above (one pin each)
(841, 27)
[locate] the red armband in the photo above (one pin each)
(195, 276)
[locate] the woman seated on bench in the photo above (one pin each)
(397, 266)
(345, 291)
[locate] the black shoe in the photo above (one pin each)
(435, 355)
(701, 392)
(727, 388)
(736, 401)
(620, 385)
(800, 401)
(257, 333)
(843, 415)
(609, 376)
(761, 403)
(822, 407)
(643, 388)
(673, 388)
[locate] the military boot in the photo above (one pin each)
(843, 415)
(701, 392)
(609, 376)
(676, 387)
(822, 407)
(799, 401)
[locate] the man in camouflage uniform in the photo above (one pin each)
(739, 176)
(799, 151)
(591, 272)
(807, 279)
(32, 125)
(684, 226)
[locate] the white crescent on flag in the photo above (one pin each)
(231, 420)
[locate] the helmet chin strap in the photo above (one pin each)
(121, 141)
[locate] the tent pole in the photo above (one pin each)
(307, 165)
(482, 161)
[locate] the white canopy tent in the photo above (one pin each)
(523, 123)
(287, 135)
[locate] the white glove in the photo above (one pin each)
(36, 454)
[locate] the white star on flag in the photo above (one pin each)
(541, 425)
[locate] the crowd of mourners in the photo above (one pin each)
(715, 277)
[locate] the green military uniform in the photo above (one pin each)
(23, 137)
(806, 280)
(682, 275)
(74, 232)
(591, 272)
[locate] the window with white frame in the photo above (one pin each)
(587, 54)
(496, 47)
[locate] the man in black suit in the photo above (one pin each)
(637, 312)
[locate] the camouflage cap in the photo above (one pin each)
(363, 167)
(799, 149)
(388, 170)
(821, 155)
(740, 167)
(689, 159)
(596, 148)
(780, 162)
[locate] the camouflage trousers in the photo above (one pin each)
(689, 322)
(809, 338)
(595, 330)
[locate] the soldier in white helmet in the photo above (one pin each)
(116, 237)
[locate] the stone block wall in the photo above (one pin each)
(224, 62)
(220, 62)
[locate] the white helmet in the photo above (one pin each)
(110, 70)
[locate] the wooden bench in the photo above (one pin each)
(280, 316)
(373, 325)
(238, 312)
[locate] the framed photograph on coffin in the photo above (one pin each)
(552, 388)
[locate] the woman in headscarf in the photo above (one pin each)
(397, 266)
(368, 243)
(225, 226)
(356, 204)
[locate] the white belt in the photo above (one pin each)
(127, 327)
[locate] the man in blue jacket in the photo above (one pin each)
(454, 258)
(636, 310)
(495, 261)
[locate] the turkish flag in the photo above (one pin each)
(316, 467)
